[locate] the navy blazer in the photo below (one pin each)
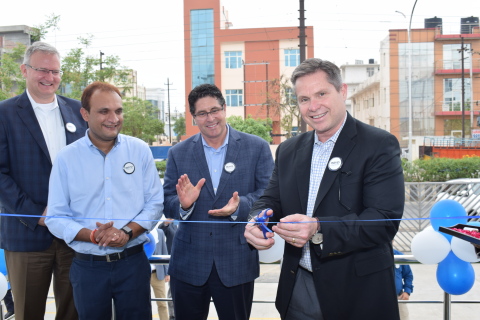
(354, 270)
(218, 240)
(25, 167)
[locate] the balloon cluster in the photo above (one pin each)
(3, 273)
(149, 247)
(455, 274)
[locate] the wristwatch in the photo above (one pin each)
(317, 238)
(128, 232)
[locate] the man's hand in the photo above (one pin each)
(297, 234)
(187, 192)
(254, 235)
(229, 208)
(108, 235)
(41, 221)
(404, 296)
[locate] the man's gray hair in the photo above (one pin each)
(312, 65)
(39, 46)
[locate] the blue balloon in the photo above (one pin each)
(3, 263)
(447, 213)
(149, 247)
(454, 275)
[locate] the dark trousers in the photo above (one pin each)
(30, 275)
(126, 282)
(9, 301)
(192, 302)
(304, 303)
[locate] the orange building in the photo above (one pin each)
(438, 82)
(241, 62)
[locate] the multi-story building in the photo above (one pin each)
(241, 62)
(443, 78)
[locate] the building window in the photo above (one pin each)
(370, 71)
(292, 57)
(452, 94)
(290, 97)
(202, 44)
(234, 97)
(233, 59)
(452, 56)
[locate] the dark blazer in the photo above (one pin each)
(25, 167)
(197, 246)
(354, 272)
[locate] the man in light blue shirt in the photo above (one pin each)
(105, 194)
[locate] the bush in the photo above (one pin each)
(161, 167)
(441, 169)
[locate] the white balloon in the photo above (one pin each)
(3, 286)
(430, 247)
(275, 253)
(464, 250)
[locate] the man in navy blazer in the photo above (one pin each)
(211, 181)
(34, 126)
(344, 182)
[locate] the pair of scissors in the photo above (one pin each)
(261, 222)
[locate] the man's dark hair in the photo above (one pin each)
(202, 91)
(94, 86)
(313, 65)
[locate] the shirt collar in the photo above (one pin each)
(332, 138)
(225, 142)
(36, 105)
(89, 142)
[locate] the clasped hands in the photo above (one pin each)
(107, 235)
(296, 229)
(188, 194)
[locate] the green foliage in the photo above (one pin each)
(441, 169)
(11, 79)
(39, 31)
(140, 121)
(258, 127)
(80, 69)
(179, 127)
(161, 167)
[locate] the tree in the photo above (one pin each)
(281, 101)
(179, 127)
(140, 121)
(80, 69)
(11, 79)
(258, 127)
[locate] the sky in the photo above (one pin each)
(148, 35)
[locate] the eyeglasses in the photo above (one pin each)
(46, 71)
(203, 115)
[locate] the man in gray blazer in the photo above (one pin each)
(212, 180)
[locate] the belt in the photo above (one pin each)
(112, 256)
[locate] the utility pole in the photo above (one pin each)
(302, 45)
(101, 65)
(168, 84)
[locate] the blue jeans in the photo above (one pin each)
(126, 282)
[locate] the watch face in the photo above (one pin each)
(317, 238)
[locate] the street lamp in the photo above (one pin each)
(410, 108)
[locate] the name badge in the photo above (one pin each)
(129, 168)
(229, 167)
(334, 164)
(71, 127)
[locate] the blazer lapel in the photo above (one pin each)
(303, 162)
(342, 149)
(68, 117)
(27, 115)
(201, 161)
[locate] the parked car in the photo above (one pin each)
(466, 191)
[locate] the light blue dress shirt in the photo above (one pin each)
(87, 186)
